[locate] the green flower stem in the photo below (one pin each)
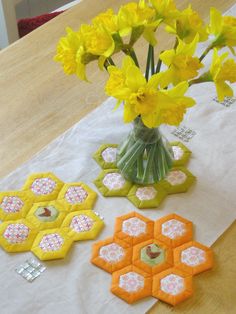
(152, 61)
(140, 168)
(148, 62)
(149, 166)
(111, 61)
(205, 77)
(206, 52)
(158, 67)
(134, 57)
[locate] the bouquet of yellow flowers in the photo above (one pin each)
(158, 96)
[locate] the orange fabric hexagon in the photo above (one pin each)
(173, 230)
(131, 284)
(152, 256)
(111, 254)
(172, 286)
(193, 257)
(134, 228)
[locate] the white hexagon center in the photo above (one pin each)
(134, 227)
(173, 228)
(112, 253)
(172, 284)
(178, 152)
(131, 282)
(113, 181)
(193, 256)
(51, 242)
(75, 195)
(81, 223)
(176, 177)
(109, 154)
(16, 233)
(11, 204)
(43, 186)
(146, 193)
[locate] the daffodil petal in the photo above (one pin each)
(167, 56)
(134, 78)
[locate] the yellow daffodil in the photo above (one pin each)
(154, 105)
(222, 70)
(187, 25)
(108, 20)
(70, 52)
(182, 66)
(165, 10)
(223, 28)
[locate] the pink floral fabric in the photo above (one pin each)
(75, 195)
(131, 282)
(16, 233)
(146, 193)
(81, 223)
(172, 284)
(43, 186)
(112, 253)
(114, 181)
(134, 227)
(51, 242)
(176, 177)
(193, 256)
(178, 152)
(173, 228)
(109, 154)
(11, 204)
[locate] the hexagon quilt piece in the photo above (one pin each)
(159, 263)
(47, 216)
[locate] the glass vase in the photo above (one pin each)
(145, 157)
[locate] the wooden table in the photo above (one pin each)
(38, 102)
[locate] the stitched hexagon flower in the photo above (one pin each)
(193, 257)
(46, 215)
(178, 180)
(83, 225)
(43, 186)
(111, 254)
(149, 196)
(51, 244)
(105, 156)
(181, 154)
(78, 195)
(112, 183)
(17, 235)
(14, 205)
(173, 230)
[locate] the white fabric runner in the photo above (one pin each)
(75, 286)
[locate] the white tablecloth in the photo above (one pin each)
(75, 286)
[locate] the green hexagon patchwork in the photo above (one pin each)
(105, 156)
(181, 154)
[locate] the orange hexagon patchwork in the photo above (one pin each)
(47, 216)
(145, 263)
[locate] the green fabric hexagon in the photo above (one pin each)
(105, 156)
(181, 154)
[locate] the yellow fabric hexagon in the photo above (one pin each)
(47, 215)
(83, 225)
(14, 204)
(78, 195)
(43, 186)
(17, 235)
(52, 244)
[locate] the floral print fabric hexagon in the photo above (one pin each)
(46, 213)
(81, 223)
(146, 193)
(16, 233)
(112, 253)
(173, 228)
(51, 242)
(75, 195)
(43, 186)
(131, 282)
(113, 181)
(176, 177)
(193, 256)
(178, 152)
(109, 154)
(134, 227)
(11, 204)
(172, 284)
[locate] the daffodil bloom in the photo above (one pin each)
(222, 70)
(108, 20)
(182, 66)
(223, 28)
(70, 51)
(187, 25)
(146, 99)
(165, 10)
